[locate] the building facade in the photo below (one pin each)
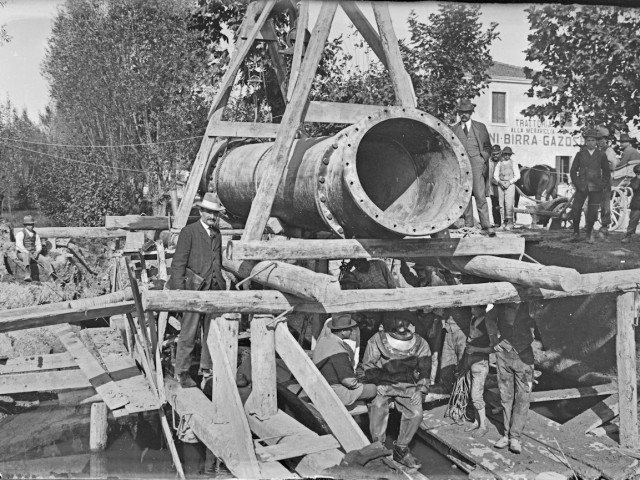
(534, 142)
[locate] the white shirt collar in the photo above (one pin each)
(468, 124)
(206, 227)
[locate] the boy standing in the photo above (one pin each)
(634, 207)
(507, 174)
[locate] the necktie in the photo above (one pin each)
(466, 130)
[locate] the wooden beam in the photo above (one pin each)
(342, 425)
(263, 400)
(272, 302)
(400, 79)
(298, 446)
(228, 325)
(43, 381)
(515, 271)
(414, 248)
(242, 129)
(98, 377)
(333, 112)
(281, 428)
(298, 47)
(569, 393)
(368, 32)
(38, 363)
(602, 412)
(77, 232)
(627, 312)
(293, 115)
(287, 278)
(137, 222)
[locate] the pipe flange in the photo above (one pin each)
(322, 195)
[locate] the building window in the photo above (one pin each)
(562, 167)
(498, 107)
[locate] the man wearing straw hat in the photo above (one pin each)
(197, 265)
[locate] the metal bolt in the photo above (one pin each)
(335, 146)
(321, 179)
(340, 230)
(325, 161)
(329, 216)
(323, 198)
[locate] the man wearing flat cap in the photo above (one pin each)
(335, 360)
(197, 265)
(629, 154)
(590, 175)
(475, 138)
(398, 361)
(612, 159)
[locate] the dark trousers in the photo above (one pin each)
(605, 209)
(479, 193)
(595, 198)
(515, 379)
(455, 341)
(495, 210)
(189, 326)
(634, 218)
(379, 417)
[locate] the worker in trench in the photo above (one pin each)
(197, 265)
(29, 249)
(398, 361)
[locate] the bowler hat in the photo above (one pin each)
(603, 132)
(465, 105)
(210, 201)
(591, 132)
(626, 138)
(341, 321)
(496, 149)
(28, 220)
(507, 151)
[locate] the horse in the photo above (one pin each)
(539, 181)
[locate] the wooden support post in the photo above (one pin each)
(148, 343)
(276, 57)
(162, 261)
(262, 402)
(626, 361)
(341, 423)
(98, 427)
(162, 325)
(168, 435)
(402, 85)
(365, 28)
(298, 47)
(293, 115)
(228, 325)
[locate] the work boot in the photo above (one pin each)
(489, 232)
(185, 380)
(402, 455)
(515, 446)
(502, 442)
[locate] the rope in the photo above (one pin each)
(280, 317)
(459, 399)
(186, 139)
(250, 277)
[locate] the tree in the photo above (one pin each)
(4, 36)
(590, 65)
(126, 80)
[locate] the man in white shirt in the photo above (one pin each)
(29, 248)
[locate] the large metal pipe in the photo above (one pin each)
(395, 173)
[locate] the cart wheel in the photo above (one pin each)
(619, 206)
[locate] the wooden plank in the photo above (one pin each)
(51, 381)
(280, 427)
(137, 222)
(342, 425)
(228, 325)
(38, 363)
(626, 363)
(77, 232)
(414, 248)
(601, 412)
(241, 50)
(222, 438)
(242, 129)
(98, 377)
(293, 115)
(400, 79)
(133, 242)
(263, 400)
(239, 455)
(162, 261)
(568, 393)
(297, 446)
(298, 47)
(365, 28)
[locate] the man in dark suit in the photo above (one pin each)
(197, 265)
(475, 138)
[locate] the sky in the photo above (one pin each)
(29, 22)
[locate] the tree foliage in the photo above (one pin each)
(590, 64)
(4, 36)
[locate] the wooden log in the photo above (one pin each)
(365, 28)
(272, 302)
(626, 362)
(293, 115)
(400, 79)
(285, 277)
(414, 248)
(98, 377)
(137, 222)
(98, 427)
(342, 425)
(516, 271)
(298, 446)
(77, 232)
(263, 400)
(298, 47)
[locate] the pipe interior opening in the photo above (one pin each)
(409, 171)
